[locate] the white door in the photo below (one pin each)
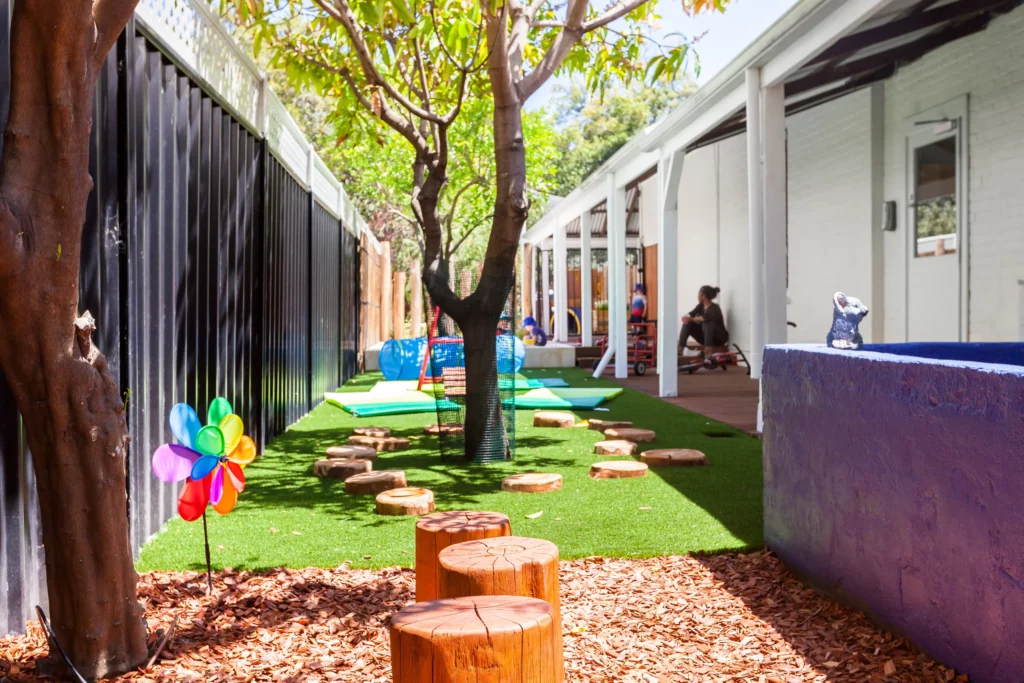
(934, 226)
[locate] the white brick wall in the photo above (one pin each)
(989, 68)
(830, 212)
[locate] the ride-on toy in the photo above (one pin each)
(719, 359)
(641, 347)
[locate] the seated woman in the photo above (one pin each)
(705, 322)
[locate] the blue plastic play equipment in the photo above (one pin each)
(401, 359)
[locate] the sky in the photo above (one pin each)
(724, 36)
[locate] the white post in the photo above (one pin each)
(586, 281)
(616, 208)
(545, 306)
(670, 170)
(261, 103)
(755, 210)
(773, 167)
(561, 284)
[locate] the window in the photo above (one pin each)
(935, 198)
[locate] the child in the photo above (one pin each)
(534, 334)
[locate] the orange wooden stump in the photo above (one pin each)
(407, 501)
(552, 418)
(486, 638)
(383, 443)
(435, 429)
(436, 532)
(376, 432)
(375, 482)
(615, 447)
(351, 453)
(602, 425)
(618, 469)
(511, 565)
(674, 457)
(532, 482)
(631, 434)
(340, 469)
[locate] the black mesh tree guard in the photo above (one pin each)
(448, 368)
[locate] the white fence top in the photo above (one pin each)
(193, 36)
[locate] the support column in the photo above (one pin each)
(670, 170)
(561, 284)
(526, 292)
(545, 297)
(616, 208)
(586, 281)
(755, 204)
(415, 299)
(773, 165)
(398, 309)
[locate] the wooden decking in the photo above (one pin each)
(730, 397)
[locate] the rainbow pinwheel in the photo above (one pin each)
(209, 459)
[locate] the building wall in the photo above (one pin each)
(831, 215)
(989, 68)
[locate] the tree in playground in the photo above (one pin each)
(72, 412)
(416, 66)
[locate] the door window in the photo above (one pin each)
(935, 198)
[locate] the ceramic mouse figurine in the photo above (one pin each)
(846, 316)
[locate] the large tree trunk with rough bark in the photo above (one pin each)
(73, 415)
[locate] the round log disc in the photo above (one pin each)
(617, 469)
(615, 447)
(434, 430)
(436, 532)
(532, 482)
(407, 501)
(631, 434)
(377, 432)
(551, 418)
(477, 638)
(340, 469)
(375, 482)
(351, 453)
(674, 457)
(510, 565)
(602, 425)
(381, 443)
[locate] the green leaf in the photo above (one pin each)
(404, 13)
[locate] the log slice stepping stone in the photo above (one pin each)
(436, 532)
(532, 482)
(340, 469)
(674, 457)
(601, 425)
(615, 447)
(507, 638)
(405, 501)
(434, 430)
(617, 469)
(380, 443)
(551, 418)
(375, 482)
(510, 565)
(377, 432)
(631, 434)
(351, 452)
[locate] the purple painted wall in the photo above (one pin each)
(897, 484)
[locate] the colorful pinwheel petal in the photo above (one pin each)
(218, 410)
(210, 441)
(185, 425)
(244, 453)
(172, 462)
(204, 466)
(193, 499)
(233, 430)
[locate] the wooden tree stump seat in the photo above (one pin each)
(631, 434)
(405, 501)
(532, 482)
(552, 418)
(509, 565)
(436, 532)
(351, 452)
(435, 429)
(674, 457)
(340, 469)
(615, 447)
(380, 443)
(377, 432)
(375, 482)
(483, 638)
(618, 469)
(602, 425)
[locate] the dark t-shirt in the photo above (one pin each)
(540, 337)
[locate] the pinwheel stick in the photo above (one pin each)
(206, 543)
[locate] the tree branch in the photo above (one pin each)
(343, 13)
(617, 11)
(110, 17)
(564, 41)
(547, 23)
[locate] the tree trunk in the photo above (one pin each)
(485, 430)
(73, 414)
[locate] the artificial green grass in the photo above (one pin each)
(288, 517)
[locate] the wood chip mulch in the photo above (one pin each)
(714, 619)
